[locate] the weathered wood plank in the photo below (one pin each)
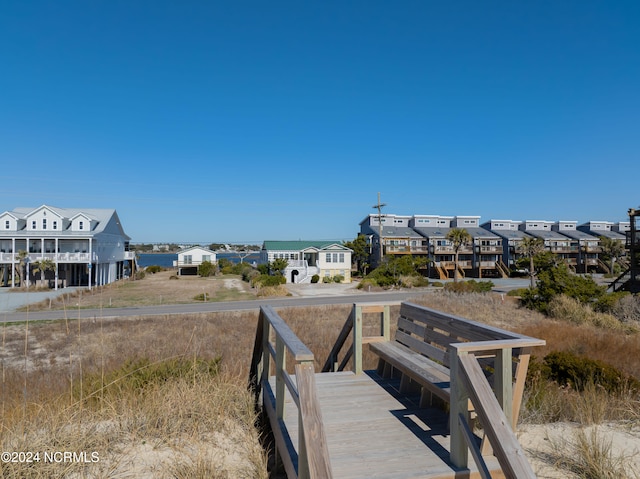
(497, 427)
(374, 434)
(317, 452)
(297, 348)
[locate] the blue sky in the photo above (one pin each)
(241, 121)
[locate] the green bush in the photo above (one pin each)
(269, 280)
(471, 286)
(367, 283)
(517, 292)
(153, 269)
(564, 368)
(413, 281)
(315, 278)
(206, 269)
(559, 280)
(437, 284)
(249, 274)
(338, 278)
(327, 279)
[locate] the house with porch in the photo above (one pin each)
(308, 258)
(85, 247)
(190, 259)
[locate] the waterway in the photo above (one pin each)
(166, 259)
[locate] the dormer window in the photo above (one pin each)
(7, 225)
(33, 225)
(81, 225)
(44, 223)
(55, 225)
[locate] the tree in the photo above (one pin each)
(278, 266)
(22, 261)
(360, 254)
(458, 237)
(530, 247)
(612, 250)
(42, 266)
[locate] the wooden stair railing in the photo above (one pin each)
(493, 409)
(311, 461)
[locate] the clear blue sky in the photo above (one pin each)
(241, 121)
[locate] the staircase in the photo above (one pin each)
(502, 268)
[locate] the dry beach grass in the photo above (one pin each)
(58, 378)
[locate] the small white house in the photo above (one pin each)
(189, 259)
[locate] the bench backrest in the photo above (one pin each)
(430, 332)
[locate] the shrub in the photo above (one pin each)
(153, 269)
(315, 278)
(564, 308)
(517, 292)
(206, 269)
(269, 280)
(471, 286)
(327, 279)
(566, 368)
(367, 283)
(338, 278)
(413, 281)
(249, 274)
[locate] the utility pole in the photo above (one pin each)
(379, 207)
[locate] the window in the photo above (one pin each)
(342, 257)
(81, 225)
(7, 225)
(33, 225)
(335, 257)
(55, 225)
(206, 257)
(328, 257)
(44, 223)
(188, 259)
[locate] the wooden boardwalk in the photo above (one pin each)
(372, 431)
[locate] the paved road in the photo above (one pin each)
(190, 308)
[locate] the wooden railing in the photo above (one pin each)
(353, 324)
(494, 407)
(312, 457)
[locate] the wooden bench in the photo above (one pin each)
(421, 354)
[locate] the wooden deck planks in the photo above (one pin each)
(374, 433)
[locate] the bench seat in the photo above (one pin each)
(429, 374)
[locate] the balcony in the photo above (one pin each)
(405, 249)
(75, 257)
(491, 249)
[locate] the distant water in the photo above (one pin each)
(166, 259)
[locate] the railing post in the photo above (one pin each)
(280, 371)
(385, 331)
(266, 357)
(504, 381)
(459, 408)
(357, 339)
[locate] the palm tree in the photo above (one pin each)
(611, 249)
(42, 266)
(530, 247)
(458, 237)
(22, 261)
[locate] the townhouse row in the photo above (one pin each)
(494, 250)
